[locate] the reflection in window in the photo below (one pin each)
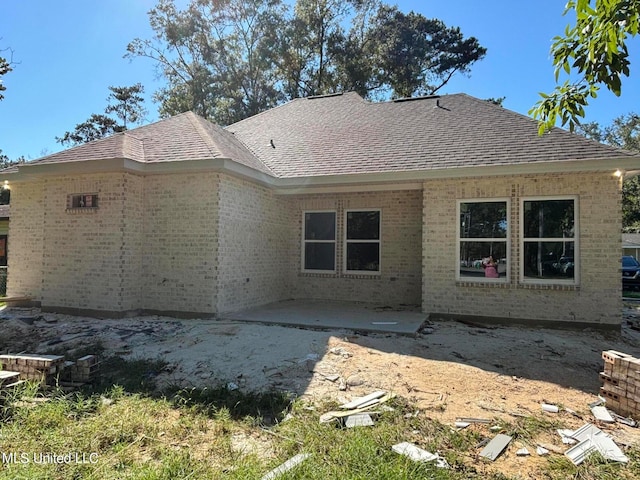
(363, 241)
(549, 239)
(482, 241)
(319, 241)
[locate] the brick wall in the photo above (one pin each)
(180, 250)
(399, 281)
(26, 240)
(597, 298)
(82, 248)
(257, 246)
(133, 242)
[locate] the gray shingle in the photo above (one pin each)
(345, 134)
(180, 138)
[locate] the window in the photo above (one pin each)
(362, 250)
(319, 242)
(549, 242)
(84, 200)
(483, 233)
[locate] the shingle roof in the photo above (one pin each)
(180, 138)
(344, 134)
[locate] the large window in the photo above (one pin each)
(362, 241)
(483, 233)
(549, 240)
(319, 242)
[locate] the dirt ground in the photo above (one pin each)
(449, 370)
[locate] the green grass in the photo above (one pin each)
(136, 432)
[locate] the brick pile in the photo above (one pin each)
(41, 368)
(621, 383)
(84, 369)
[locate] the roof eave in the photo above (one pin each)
(318, 184)
(410, 179)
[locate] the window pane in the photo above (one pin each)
(320, 226)
(319, 256)
(474, 258)
(549, 219)
(549, 260)
(483, 220)
(363, 256)
(363, 225)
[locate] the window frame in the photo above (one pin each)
(576, 242)
(81, 197)
(506, 240)
(347, 241)
(305, 241)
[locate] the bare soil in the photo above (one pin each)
(450, 370)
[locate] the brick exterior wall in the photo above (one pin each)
(180, 243)
(597, 298)
(399, 281)
(26, 241)
(213, 243)
(256, 249)
(82, 248)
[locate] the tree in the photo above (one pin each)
(127, 105)
(230, 59)
(5, 67)
(624, 132)
(417, 55)
(595, 50)
(217, 56)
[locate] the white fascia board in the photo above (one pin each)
(405, 180)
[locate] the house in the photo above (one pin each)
(330, 197)
(631, 244)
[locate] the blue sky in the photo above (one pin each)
(69, 52)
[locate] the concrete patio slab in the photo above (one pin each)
(326, 314)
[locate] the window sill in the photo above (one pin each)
(82, 210)
(522, 286)
(364, 276)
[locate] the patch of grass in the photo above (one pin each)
(221, 402)
(134, 376)
(131, 431)
(631, 294)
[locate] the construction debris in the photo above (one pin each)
(473, 420)
(496, 446)
(286, 466)
(602, 415)
(417, 454)
(367, 400)
(522, 452)
(359, 420)
(566, 436)
(591, 439)
(357, 405)
(550, 408)
(621, 383)
(542, 451)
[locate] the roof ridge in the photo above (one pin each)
(202, 132)
(210, 142)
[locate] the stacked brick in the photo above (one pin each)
(621, 383)
(40, 368)
(84, 369)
